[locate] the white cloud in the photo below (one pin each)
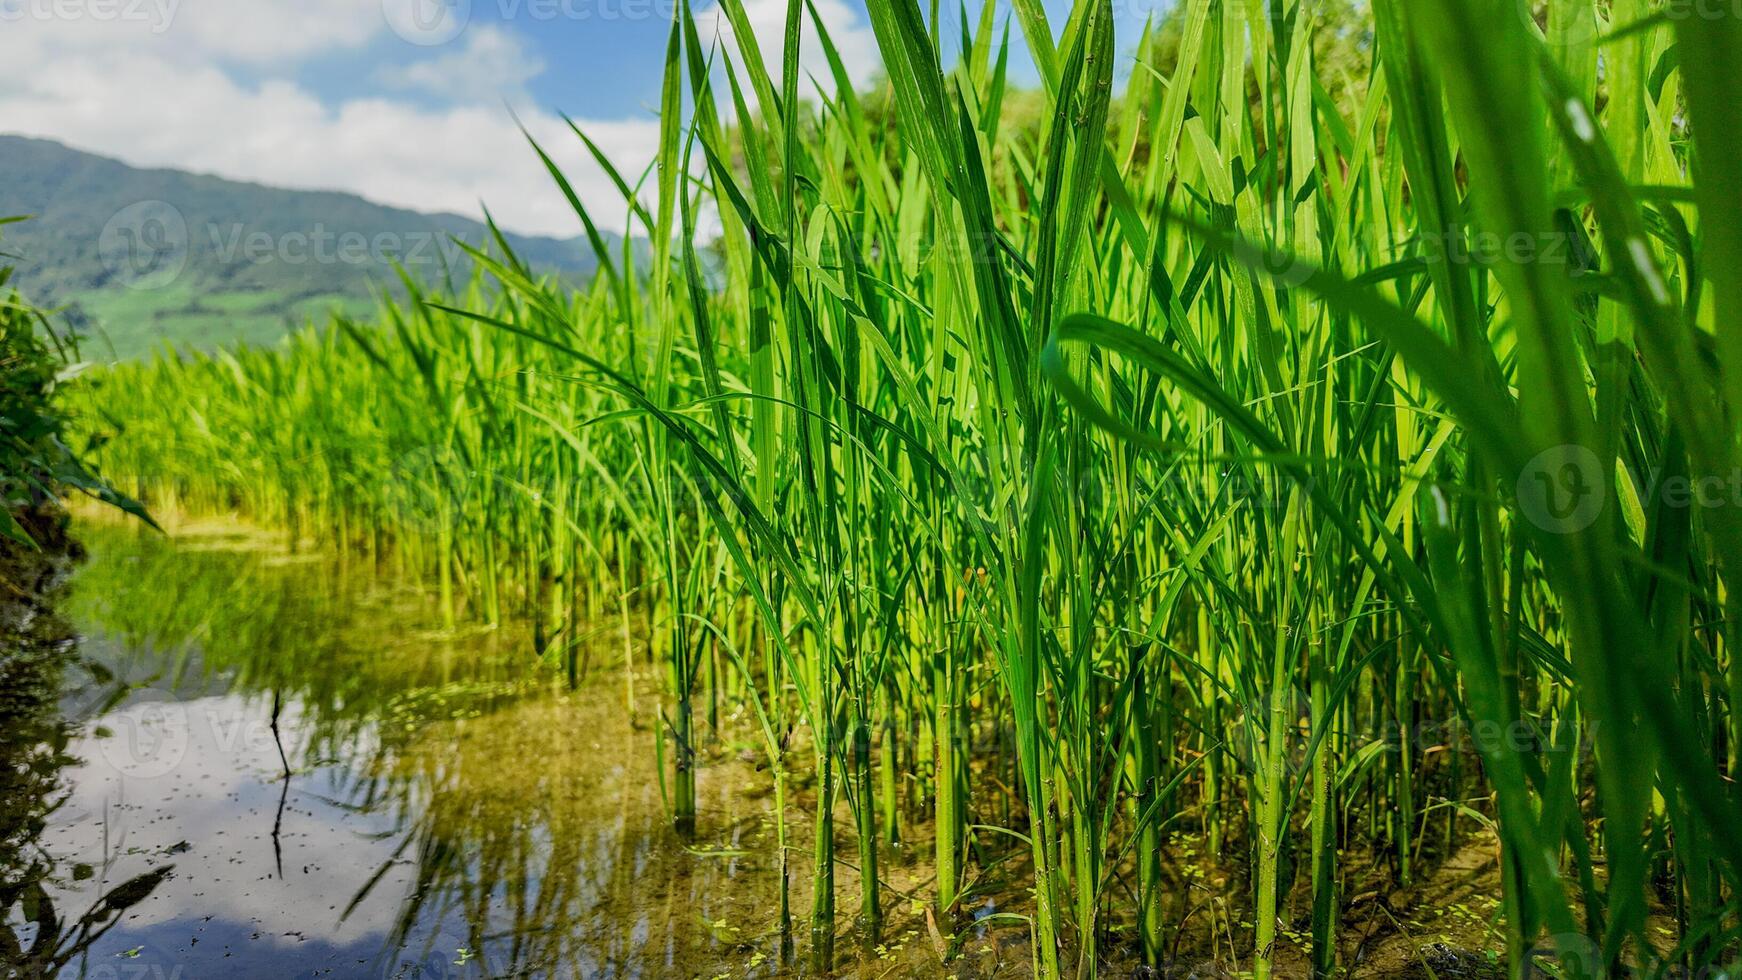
(272, 31)
(129, 802)
(258, 32)
(177, 99)
(493, 66)
(852, 37)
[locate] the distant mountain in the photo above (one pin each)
(139, 257)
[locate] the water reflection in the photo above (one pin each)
(343, 792)
(36, 655)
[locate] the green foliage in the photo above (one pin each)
(36, 464)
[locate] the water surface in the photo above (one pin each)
(221, 759)
(246, 763)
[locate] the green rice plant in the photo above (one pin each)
(1269, 433)
(37, 466)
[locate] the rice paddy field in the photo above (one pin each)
(1320, 469)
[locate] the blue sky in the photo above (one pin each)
(406, 102)
(608, 68)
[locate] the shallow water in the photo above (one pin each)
(451, 809)
(218, 759)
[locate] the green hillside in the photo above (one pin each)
(136, 258)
